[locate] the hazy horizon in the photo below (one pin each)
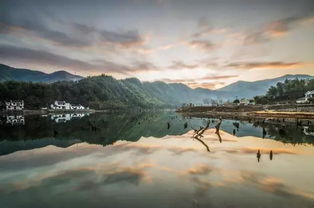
(207, 44)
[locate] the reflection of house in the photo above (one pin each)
(307, 132)
(306, 99)
(15, 120)
(62, 118)
(14, 105)
(60, 105)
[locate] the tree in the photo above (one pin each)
(236, 101)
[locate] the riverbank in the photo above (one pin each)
(28, 112)
(250, 112)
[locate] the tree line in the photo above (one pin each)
(287, 91)
(101, 92)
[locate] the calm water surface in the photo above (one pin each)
(139, 160)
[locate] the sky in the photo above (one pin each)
(200, 43)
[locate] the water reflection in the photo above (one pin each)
(160, 172)
(15, 120)
(63, 130)
(64, 117)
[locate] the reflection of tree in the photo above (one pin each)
(284, 132)
(218, 130)
(199, 133)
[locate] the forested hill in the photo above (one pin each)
(102, 92)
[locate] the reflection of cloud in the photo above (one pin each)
(251, 150)
(203, 169)
(274, 185)
(128, 175)
(146, 149)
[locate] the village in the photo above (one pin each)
(18, 105)
(60, 112)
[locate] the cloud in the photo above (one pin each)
(201, 44)
(205, 78)
(209, 82)
(126, 38)
(32, 56)
(204, 29)
(35, 29)
(69, 34)
(207, 85)
(182, 65)
(277, 28)
(267, 65)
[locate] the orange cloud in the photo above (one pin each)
(267, 65)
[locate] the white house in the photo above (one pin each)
(77, 107)
(306, 99)
(14, 105)
(245, 101)
(60, 105)
(309, 94)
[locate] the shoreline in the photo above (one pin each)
(27, 112)
(250, 115)
(251, 111)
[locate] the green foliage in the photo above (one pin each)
(236, 101)
(289, 90)
(102, 92)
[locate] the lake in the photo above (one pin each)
(150, 159)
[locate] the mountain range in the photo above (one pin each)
(9, 73)
(146, 92)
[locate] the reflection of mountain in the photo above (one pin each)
(9, 146)
(107, 128)
(98, 128)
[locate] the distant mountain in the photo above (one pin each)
(9, 73)
(105, 91)
(243, 89)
